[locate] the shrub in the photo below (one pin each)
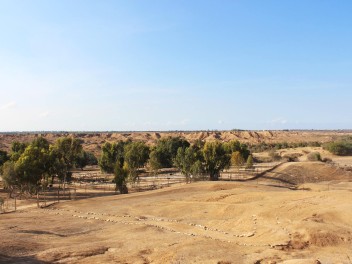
(314, 156)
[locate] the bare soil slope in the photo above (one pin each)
(205, 222)
(93, 141)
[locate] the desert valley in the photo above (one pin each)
(292, 212)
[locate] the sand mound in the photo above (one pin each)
(296, 173)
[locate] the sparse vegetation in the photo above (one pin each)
(263, 146)
(314, 156)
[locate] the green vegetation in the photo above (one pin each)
(165, 151)
(111, 154)
(3, 158)
(189, 161)
(30, 166)
(121, 175)
(136, 155)
(215, 159)
(340, 148)
(261, 147)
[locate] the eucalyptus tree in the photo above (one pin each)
(215, 159)
(136, 155)
(112, 153)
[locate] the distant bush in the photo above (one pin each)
(314, 156)
(340, 148)
(263, 146)
(292, 157)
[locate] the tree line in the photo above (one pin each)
(32, 166)
(126, 158)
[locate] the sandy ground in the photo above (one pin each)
(205, 222)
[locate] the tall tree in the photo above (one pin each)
(111, 154)
(10, 177)
(216, 159)
(3, 158)
(136, 155)
(155, 158)
(166, 150)
(33, 165)
(189, 161)
(67, 149)
(121, 175)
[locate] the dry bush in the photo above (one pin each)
(293, 157)
(314, 156)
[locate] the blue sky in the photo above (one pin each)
(175, 65)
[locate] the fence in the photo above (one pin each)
(242, 173)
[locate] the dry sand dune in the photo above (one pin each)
(93, 141)
(205, 222)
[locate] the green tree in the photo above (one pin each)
(111, 153)
(136, 155)
(3, 158)
(155, 158)
(33, 165)
(57, 166)
(84, 159)
(17, 148)
(67, 149)
(121, 175)
(29, 169)
(216, 159)
(166, 150)
(189, 161)
(9, 177)
(236, 146)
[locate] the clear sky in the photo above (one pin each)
(175, 65)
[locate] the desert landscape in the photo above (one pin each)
(175, 132)
(94, 140)
(293, 212)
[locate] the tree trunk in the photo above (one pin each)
(214, 176)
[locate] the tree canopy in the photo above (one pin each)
(215, 158)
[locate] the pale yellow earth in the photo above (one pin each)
(256, 221)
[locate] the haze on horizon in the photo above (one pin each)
(175, 65)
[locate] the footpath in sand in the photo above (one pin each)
(205, 222)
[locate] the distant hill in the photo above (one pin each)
(94, 140)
